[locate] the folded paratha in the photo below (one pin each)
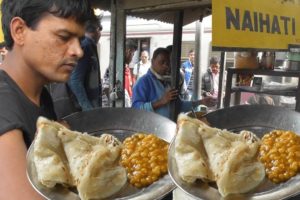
(87, 162)
(48, 155)
(211, 154)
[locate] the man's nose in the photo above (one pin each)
(75, 49)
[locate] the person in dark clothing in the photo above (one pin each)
(3, 51)
(131, 47)
(85, 80)
(210, 80)
(43, 43)
(125, 92)
(188, 70)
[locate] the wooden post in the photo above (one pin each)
(221, 77)
(175, 62)
(117, 53)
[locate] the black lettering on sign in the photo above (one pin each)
(232, 18)
(293, 26)
(275, 25)
(247, 22)
(259, 22)
(255, 21)
(264, 22)
(285, 22)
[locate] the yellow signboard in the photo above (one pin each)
(255, 24)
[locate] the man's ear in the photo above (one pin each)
(18, 30)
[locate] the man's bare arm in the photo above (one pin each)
(14, 183)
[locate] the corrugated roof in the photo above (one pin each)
(190, 15)
(102, 4)
(163, 11)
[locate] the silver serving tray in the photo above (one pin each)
(122, 123)
(259, 119)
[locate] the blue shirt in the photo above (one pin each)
(148, 89)
(188, 70)
(85, 80)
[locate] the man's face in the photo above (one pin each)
(144, 57)
(129, 53)
(192, 57)
(161, 64)
(215, 68)
(3, 51)
(52, 49)
(97, 35)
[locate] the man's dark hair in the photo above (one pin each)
(159, 51)
(93, 24)
(32, 11)
(191, 51)
(214, 60)
(170, 48)
(130, 44)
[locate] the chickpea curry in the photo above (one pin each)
(280, 154)
(144, 156)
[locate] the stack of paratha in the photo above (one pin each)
(78, 160)
(211, 154)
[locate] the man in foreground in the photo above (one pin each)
(43, 42)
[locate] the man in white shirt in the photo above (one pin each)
(141, 67)
(215, 76)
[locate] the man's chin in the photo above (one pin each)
(62, 79)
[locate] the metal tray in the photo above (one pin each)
(259, 119)
(122, 123)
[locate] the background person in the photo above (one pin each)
(181, 86)
(153, 92)
(129, 53)
(188, 69)
(43, 42)
(142, 66)
(3, 51)
(85, 81)
(119, 92)
(210, 80)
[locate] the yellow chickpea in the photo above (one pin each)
(145, 158)
(280, 153)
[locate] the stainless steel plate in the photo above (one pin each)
(259, 119)
(122, 123)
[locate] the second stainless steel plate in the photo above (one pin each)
(258, 119)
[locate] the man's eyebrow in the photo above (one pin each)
(69, 32)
